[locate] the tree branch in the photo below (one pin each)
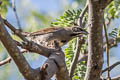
(54, 64)
(62, 73)
(14, 52)
(30, 46)
(82, 15)
(16, 16)
(79, 43)
(95, 40)
(36, 48)
(83, 57)
(76, 56)
(107, 2)
(7, 60)
(112, 43)
(111, 67)
(107, 50)
(16, 31)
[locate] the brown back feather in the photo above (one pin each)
(46, 30)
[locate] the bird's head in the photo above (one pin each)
(77, 31)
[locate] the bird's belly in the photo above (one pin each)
(46, 42)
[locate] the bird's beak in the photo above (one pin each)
(84, 32)
(77, 34)
(78, 31)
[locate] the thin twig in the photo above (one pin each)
(16, 31)
(111, 67)
(83, 57)
(76, 57)
(16, 15)
(7, 60)
(82, 15)
(79, 44)
(107, 51)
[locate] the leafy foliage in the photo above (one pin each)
(3, 7)
(115, 34)
(69, 52)
(80, 71)
(68, 19)
(3, 11)
(112, 10)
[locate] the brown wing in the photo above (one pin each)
(46, 30)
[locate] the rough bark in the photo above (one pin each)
(95, 38)
(14, 52)
(95, 41)
(54, 64)
(62, 73)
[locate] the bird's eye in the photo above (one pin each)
(77, 29)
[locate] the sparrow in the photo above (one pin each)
(54, 36)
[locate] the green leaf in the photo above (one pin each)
(3, 7)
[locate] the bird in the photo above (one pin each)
(53, 37)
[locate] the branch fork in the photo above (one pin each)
(54, 65)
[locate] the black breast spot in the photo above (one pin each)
(73, 34)
(63, 41)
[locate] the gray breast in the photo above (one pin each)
(49, 40)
